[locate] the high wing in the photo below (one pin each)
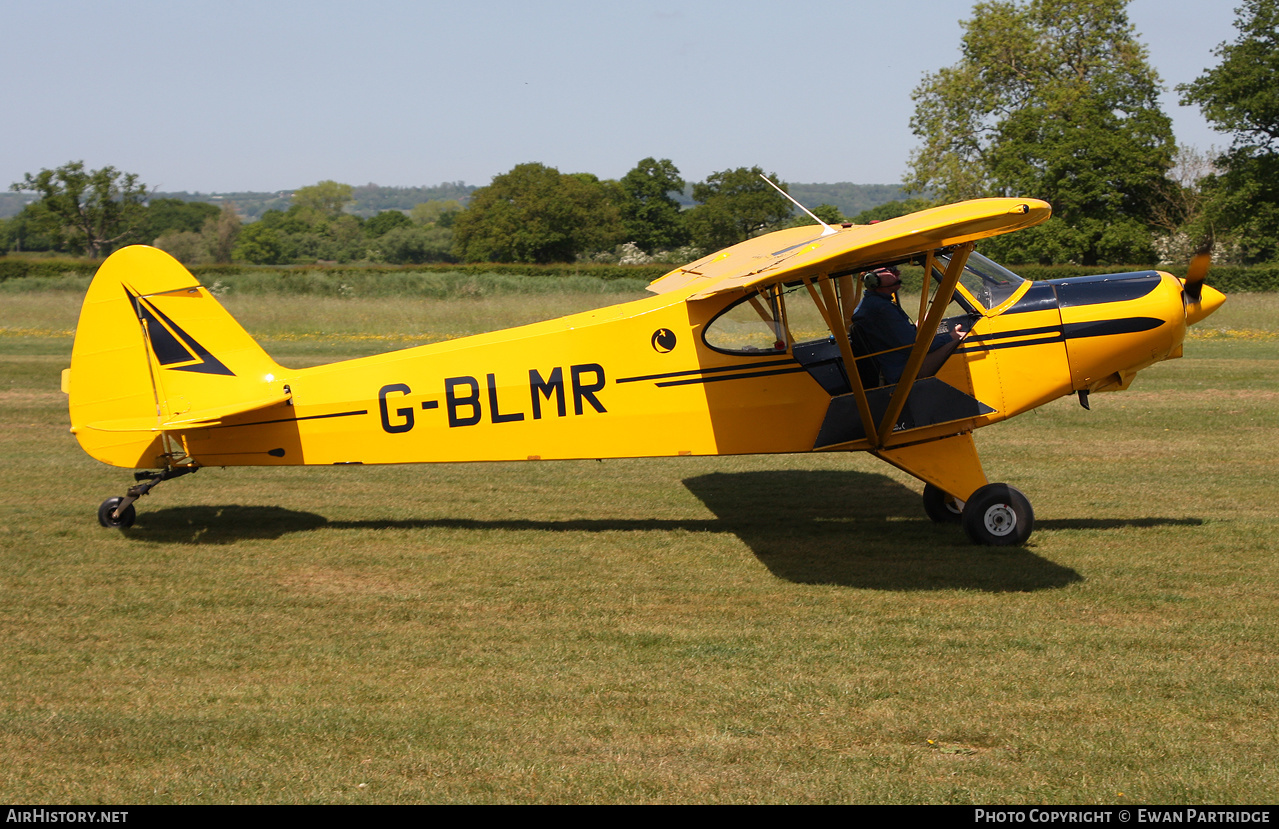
(802, 252)
(806, 254)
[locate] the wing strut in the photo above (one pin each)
(929, 264)
(828, 304)
(927, 329)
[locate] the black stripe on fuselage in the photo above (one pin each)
(1070, 331)
(1106, 328)
(1020, 332)
(699, 371)
(292, 419)
(720, 377)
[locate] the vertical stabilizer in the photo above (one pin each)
(154, 347)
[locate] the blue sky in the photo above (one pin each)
(225, 95)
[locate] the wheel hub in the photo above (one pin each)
(1000, 520)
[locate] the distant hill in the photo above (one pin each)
(371, 199)
(250, 205)
(850, 198)
(11, 204)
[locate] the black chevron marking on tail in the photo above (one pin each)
(174, 348)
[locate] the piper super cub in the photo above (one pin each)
(748, 350)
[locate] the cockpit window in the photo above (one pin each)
(803, 319)
(768, 322)
(752, 325)
(988, 282)
(780, 316)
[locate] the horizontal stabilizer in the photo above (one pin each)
(203, 419)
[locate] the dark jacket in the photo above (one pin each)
(882, 324)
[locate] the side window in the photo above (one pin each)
(804, 320)
(752, 325)
(768, 322)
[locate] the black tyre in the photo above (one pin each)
(126, 518)
(998, 515)
(940, 506)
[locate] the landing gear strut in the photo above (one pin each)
(119, 512)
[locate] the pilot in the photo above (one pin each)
(880, 324)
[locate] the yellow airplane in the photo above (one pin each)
(746, 351)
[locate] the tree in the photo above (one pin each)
(1240, 96)
(261, 244)
(32, 229)
(535, 213)
(652, 218)
(415, 244)
(441, 212)
(385, 221)
(214, 243)
(220, 233)
(829, 214)
(327, 198)
(734, 205)
(95, 209)
(1052, 99)
(186, 246)
(171, 216)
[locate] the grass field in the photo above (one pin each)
(735, 630)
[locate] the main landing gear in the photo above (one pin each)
(119, 512)
(996, 514)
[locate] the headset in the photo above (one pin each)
(879, 277)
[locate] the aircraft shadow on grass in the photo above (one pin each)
(849, 528)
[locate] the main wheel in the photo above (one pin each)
(126, 518)
(941, 507)
(999, 515)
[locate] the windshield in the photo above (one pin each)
(988, 282)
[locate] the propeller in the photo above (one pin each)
(1197, 271)
(1200, 299)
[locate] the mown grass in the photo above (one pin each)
(766, 629)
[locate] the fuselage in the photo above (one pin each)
(744, 351)
(640, 379)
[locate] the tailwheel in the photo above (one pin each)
(941, 506)
(998, 515)
(120, 513)
(108, 516)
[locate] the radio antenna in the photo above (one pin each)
(828, 231)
